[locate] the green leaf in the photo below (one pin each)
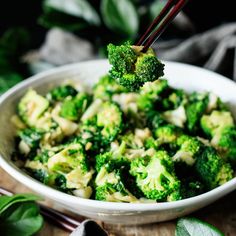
(77, 8)
(195, 227)
(120, 16)
(7, 201)
(52, 18)
(21, 219)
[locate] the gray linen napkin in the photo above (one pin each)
(213, 49)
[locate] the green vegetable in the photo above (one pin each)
(155, 176)
(194, 227)
(109, 120)
(106, 87)
(115, 145)
(31, 137)
(211, 168)
(19, 215)
(217, 120)
(31, 107)
(195, 108)
(225, 142)
(61, 92)
(73, 108)
(133, 68)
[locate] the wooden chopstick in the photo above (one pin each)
(168, 13)
(62, 220)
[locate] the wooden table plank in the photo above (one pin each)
(222, 214)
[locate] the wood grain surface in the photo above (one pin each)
(222, 214)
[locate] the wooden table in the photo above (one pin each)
(222, 214)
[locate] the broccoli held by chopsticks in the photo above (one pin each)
(131, 67)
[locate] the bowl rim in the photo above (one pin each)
(47, 191)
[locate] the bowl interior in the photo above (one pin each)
(183, 76)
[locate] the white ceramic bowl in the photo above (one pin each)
(179, 75)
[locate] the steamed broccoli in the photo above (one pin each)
(31, 137)
(61, 92)
(31, 107)
(190, 148)
(110, 161)
(131, 67)
(110, 181)
(215, 121)
(167, 134)
(43, 176)
(155, 176)
(73, 108)
(109, 120)
(114, 193)
(151, 94)
(225, 141)
(195, 108)
(68, 159)
(106, 87)
(211, 168)
(155, 120)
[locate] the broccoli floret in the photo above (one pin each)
(215, 121)
(68, 159)
(106, 87)
(61, 92)
(110, 161)
(225, 142)
(109, 121)
(114, 193)
(131, 67)
(167, 134)
(194, 109)
(175, 98)
(31, 137)
(43, 156)
(43, 176)
(176, 117)
(150, 94)
(155, 176)
(31, 107)
(73, 108)
(110, 186)
(60, 183)
(155, 120)
(72, 163)
(190, 148)
(211, 168)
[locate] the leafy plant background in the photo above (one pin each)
(97, 21)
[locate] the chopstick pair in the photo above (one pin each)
(59, 219)
(168, 13)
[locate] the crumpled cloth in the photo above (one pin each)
(214, 49)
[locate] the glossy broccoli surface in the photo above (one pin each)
(131, 67)
(158, 144)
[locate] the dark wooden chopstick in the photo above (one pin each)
(62, 220)
(168, 13)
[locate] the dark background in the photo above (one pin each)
(204, 14)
